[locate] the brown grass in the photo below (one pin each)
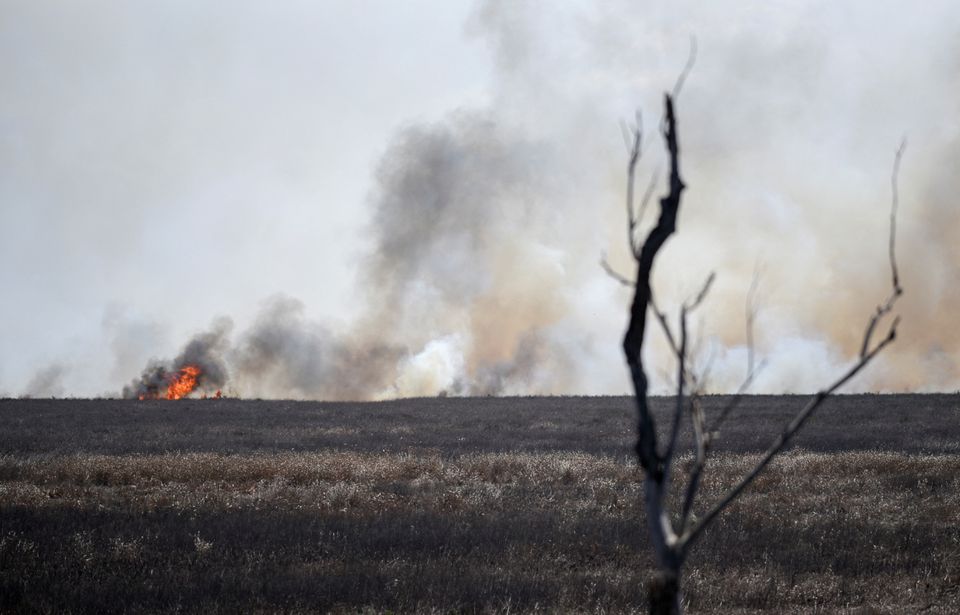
(429, 529)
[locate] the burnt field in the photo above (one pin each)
(473, 505)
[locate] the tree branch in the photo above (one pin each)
(605, 265)
(636, 139)
(664, 325)
(647, 195)
(867, 354)
(702, 294)
(646, 447)
(682, 78)
(682, 370)
(701, 442)
(783, 439)
(678, 410)
(886, 307)
(894, 176)
(753, 369)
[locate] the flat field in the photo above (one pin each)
(465, 505)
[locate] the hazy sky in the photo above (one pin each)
(164, 164)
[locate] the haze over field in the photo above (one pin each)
(367, 199)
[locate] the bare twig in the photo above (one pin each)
(678, 410)
(613, 273)
(702, 375)
(636, 145)
(753, 369)
(702, 294)
(894, 176)
(701, 441)
(627, 132)
(647, 195)
(683, 372)
(734, 400)
(682, 78)
(887, 306)
(664, 324)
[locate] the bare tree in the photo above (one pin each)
(674, 532)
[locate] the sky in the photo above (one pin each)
(371, 199)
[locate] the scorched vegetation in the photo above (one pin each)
(474, 505)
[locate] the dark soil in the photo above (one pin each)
(450, 426)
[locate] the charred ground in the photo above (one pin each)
(493, 504)
(451, 426)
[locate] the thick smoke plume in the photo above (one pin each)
(205, 351)
(485, 229)
(465, 289)
(285, 355)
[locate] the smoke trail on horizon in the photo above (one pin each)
(486, 225)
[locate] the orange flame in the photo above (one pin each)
(183, 384)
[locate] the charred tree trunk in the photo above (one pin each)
(671, 543)
(664, 594)
(664, 590)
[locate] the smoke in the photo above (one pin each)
(205, 351)
(464, 246)
(131, 341)
(480, 274)
(463, 290)
(285, 355)
(47, 382)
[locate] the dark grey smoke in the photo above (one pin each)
(444, 195)
(462, 289)
(285, 355)
(205, 350)
(465, 219)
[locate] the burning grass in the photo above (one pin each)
(172, 385)
(434, 529)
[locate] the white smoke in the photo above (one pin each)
(437, 368)
(480, 272)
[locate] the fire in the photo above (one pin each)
(161, 382)
(183, 384)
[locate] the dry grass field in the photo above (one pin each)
(462, 505)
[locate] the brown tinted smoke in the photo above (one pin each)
(485, 227)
